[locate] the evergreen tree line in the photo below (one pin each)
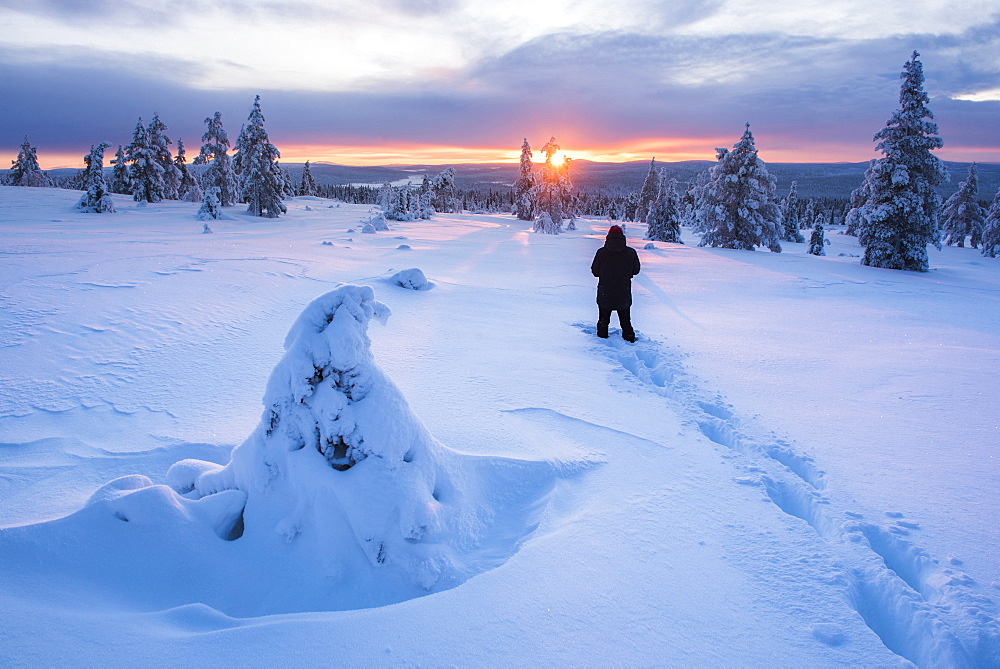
(147, 170)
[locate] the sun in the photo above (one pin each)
(558, 159)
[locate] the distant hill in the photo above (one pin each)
(814, 179)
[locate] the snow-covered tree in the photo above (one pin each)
(859, 196)
(160, 151)
(545, 225)
(256, 162)
(962, 215)
(650, 189)
(899, 217)
(553, 191)
(663, 221)
(25, 170)
(524, 208)
(215, 153)
(809, 216)
(991, 229)
(790, 216)
(404, 205)
(187, 187)
(426, 199)
(736, 208)
(443, 187)
(210, 209)
(287, 183)
(145, 172)
(120, 182)
(97, 199)
(308, 184)
(817, 243)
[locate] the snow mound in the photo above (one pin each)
(412, 278)
(339, 456)
(340, 496)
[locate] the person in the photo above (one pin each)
(614, 265)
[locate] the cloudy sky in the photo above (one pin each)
(424, 81)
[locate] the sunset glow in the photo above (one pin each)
(666, 150)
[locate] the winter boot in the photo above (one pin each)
(629, 336)
(602, 330)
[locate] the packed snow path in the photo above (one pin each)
(779, 475)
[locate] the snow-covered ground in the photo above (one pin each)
(796, 464)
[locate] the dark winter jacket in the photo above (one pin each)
(615, 264)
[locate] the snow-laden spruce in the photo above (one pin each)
(817, 242)
(156, 137)
(552, 194)
(340, 462)
(97, 199)
(262, 183)
(524, 207)
(188, 188)
(650, 190)
(736, 209)
(308, 184)
(215, 153)
(896, 209)
(963, 216)
(991, 229)
(25, 170)
(790, 216)
(119, 173)
(663, 221)
(144, 170)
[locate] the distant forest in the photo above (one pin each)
(487, 187)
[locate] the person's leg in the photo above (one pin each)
(625, 320)
(603, 320)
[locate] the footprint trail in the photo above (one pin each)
(927, 612)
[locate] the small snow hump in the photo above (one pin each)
(412, 278)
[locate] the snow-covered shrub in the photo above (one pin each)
(412, 278)
(544, 224)
(369, 229)
(210, 209)
(340, 467)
